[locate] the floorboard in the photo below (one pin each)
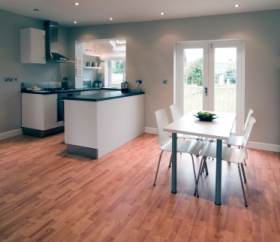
(47, 194)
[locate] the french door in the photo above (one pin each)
(209, 75)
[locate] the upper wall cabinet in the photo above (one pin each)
(32, 46)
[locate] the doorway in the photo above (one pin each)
(209, 75)
(101, 61)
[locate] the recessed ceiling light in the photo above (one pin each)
(236, 5)
(77, 4)
(75, 22)
(36, 9)
(162, 13)
(111, 18)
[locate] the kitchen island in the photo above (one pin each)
(96, 124)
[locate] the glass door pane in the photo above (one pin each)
(193, 79)
(225, 79)
(210, 76)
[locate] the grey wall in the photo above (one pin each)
(10, 66)
(150, 47)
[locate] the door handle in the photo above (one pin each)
(205, 91)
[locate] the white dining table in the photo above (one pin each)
(218, 129)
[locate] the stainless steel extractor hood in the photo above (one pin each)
(51, 29)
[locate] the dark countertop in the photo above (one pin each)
(46, 92)
(103, 96)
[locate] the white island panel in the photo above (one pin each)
(80, 123)
(119, 121)
(104, 125)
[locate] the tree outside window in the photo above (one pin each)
(118, 71)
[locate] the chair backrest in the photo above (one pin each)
(247, 133)
(247, 119)
(175, 111)
(162, 121)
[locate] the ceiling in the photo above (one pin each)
(94, 12)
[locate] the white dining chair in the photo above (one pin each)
(176, 114)
(191, 147)
(238, 140)
(230, 155)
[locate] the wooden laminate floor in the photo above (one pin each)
(47, 194)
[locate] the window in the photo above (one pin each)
(114, 72)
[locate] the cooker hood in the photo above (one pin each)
(51, 29)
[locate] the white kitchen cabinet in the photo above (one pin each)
(32, 46)
(39, 111)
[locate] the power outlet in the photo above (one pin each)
(139, 81)
(10, 79)
(164, 81)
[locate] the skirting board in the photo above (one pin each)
(264, 146)
(84, 151)
(10, 134)
(150, 130)
(252, 145)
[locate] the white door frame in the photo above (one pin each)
(208, 70)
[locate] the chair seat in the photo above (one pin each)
(228, 154)
(235, 140)
(184, 146)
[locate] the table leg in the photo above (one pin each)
(174, 163)
(218, 190)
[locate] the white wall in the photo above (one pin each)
(150, 48)
(10, 66)
(149, 56)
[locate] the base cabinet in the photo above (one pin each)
(39, 112)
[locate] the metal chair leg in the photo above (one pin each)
(206, 167)
(158, 167)
(170, 162)
(199, 171)
(241, 147)
(243, 172)
(246, 205)
(202, 170)
(193, 168)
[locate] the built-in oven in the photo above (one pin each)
(60, 103)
